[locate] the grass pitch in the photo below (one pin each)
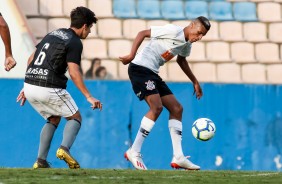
(67, 176)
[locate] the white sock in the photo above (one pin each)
(144, 130)
(175, 129)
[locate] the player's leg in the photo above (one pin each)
(175, 123)
(69, 110)
(175, 128)
(71, 130)
(147, 123)
(144, 86)
(155, 103)
(46, 137)
(39, 98)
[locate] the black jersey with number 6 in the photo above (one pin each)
(49, 64)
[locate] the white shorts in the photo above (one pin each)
(50, 101)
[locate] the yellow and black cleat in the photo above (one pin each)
(41, 164)
(66, 156)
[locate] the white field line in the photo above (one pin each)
(55, 177)
(110, 178)
(121, 178)
(259, 174)
(171, 177)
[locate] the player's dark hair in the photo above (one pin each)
(205, 22)
(81, 15)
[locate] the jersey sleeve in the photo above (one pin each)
(163, 31)
(37, 45)
(74, 51)
(185, 52)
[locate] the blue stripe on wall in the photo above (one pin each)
(248, 120)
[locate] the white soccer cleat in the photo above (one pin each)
(183, 163)
(136, 159)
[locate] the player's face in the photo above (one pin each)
(86, 30)
(196, 33)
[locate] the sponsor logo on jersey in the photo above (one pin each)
(150, 85)
(167, 55)
(61, 34)
(37, 71)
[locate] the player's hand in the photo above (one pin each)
(95, 104)
(198, 91)
(9, 63)
(126, 59)
(21, 98)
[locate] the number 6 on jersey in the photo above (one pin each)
(41, 56)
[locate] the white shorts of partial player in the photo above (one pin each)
(50, 101)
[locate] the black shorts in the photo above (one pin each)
(145, 82)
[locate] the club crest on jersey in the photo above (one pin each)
(150, 85)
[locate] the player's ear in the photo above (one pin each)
(84, 26)
(193, 24)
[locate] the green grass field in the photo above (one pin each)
(61, 176)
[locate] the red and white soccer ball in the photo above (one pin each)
(203, 129)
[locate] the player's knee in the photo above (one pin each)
(76, 116)
(79, 118)
(157, 109)
(55, 120)
(177, 109)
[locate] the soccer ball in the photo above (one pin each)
(203, 129)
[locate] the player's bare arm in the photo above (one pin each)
(5, 35)
(136, 44)
(76, 76)
(182, 62)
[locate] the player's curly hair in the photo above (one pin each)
(81, 15)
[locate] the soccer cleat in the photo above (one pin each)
(40, 164)
(135, 158)
(66, 156)
(183, 163)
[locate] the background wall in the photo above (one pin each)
(21, 38)
(248, 120)
(251, 51)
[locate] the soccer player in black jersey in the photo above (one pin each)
(5, 35)
(45, 84)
